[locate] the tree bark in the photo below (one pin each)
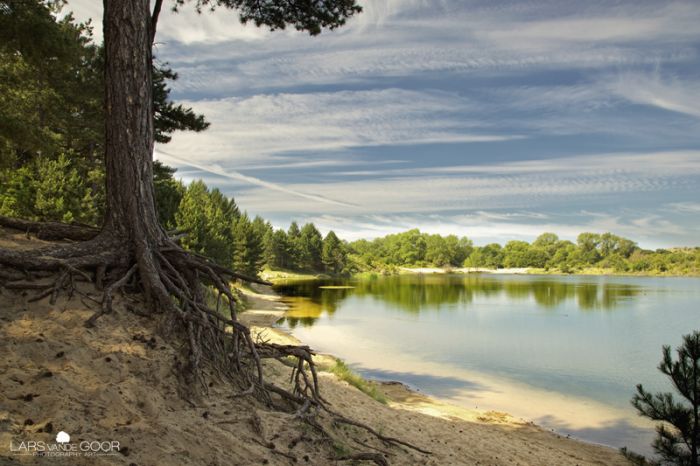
(131, 211)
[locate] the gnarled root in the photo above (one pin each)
(180, 286)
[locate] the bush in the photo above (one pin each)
(678, 437)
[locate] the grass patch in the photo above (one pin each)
(343, 372)
(283, 275)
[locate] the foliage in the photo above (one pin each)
(603, 252)
(303, 16)
(169, 192)
(309, 246)
(169, 117)
(207, 217)
(52, 189)
(333, 256)
(50, 86)
(249, 247)
(678, 437)
(52, 118)
(410, 248)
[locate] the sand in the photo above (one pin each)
(503, 271)
(115, 383)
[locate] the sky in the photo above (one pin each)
(491, 119)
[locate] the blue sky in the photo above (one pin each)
(495, 120)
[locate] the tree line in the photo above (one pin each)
(591, 250)
(213, 225)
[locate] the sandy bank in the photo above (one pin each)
(489, 437)
(428, 270)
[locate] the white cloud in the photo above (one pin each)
(247, 130)
(621, 23)
(673, 94)
(669, 163)
(685, 207)
(236, 176)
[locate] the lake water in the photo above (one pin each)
(563, 351)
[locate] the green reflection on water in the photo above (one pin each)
(310, 299)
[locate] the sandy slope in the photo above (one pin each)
(115, 383)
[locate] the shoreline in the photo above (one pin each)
(267, 308)
(592, 272)
(274, 275)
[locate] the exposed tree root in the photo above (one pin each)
(51, 231)
(180, 286)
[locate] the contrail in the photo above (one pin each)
(234, 175)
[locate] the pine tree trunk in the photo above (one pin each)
(131, 212)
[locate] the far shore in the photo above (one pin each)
(505, 271)
(593, 271)
(284, 275)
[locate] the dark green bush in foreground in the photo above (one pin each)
(678, 436)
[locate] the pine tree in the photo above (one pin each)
(169, 192)
(207, 218)
(293, 243)
(334, 255)
(278, 251)
(249, 250)
(310, 248)
(678, 438)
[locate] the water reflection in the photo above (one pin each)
(309, 300)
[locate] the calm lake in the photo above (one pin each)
(563, 351)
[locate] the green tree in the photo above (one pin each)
(562, 258)
(494, 255)
(678, 437)
(293, 238)
(436, 252)
(588, 244)
(277, 252)
(52, 190)
(50, 86)
(248, 253)
(169, 117)
(516, 254)
(169, 192)
(262, 232)
(310, 246)
(334, 256)
(207, 218)
(546, 245)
